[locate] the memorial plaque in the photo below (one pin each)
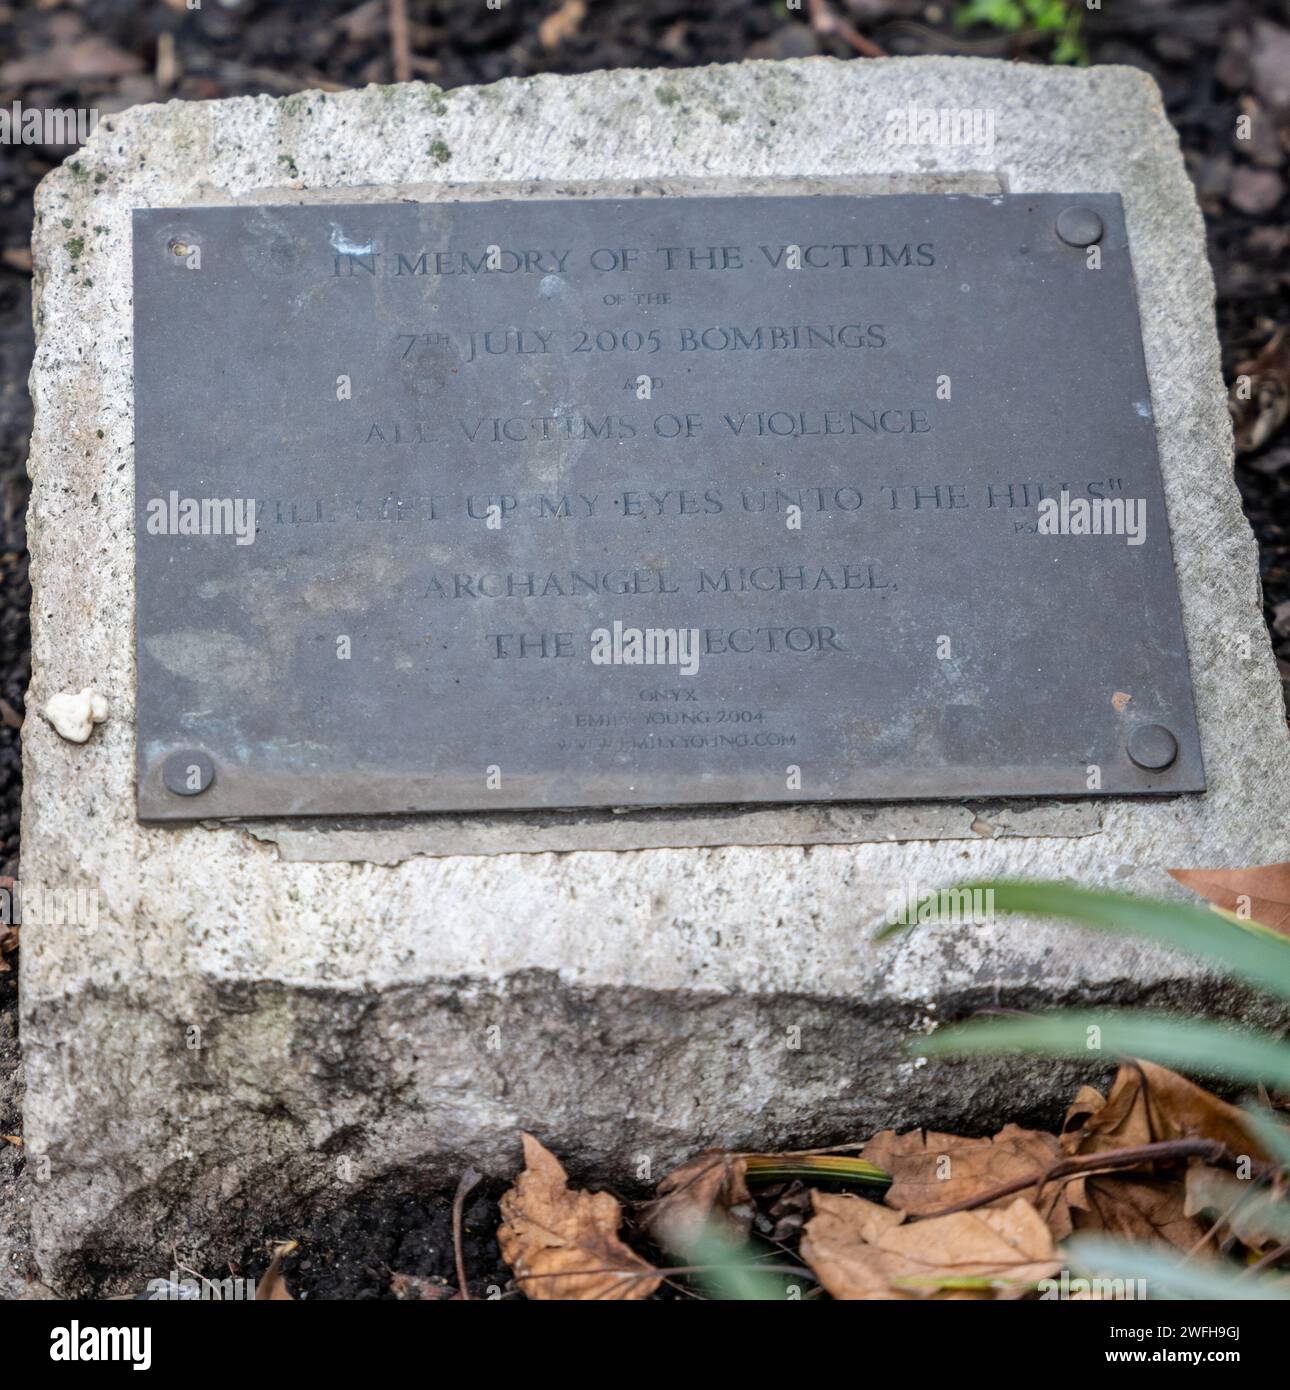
(581, 502)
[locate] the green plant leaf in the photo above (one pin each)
(1257, 955)
(728, 1272)
(1047, 15)
(1193, 1044)
(1001, 14)
(766, 1168)
(1274, 1134)
(1169, 1277)
(1069, 48)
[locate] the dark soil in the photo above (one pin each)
(355, 1250)
(1214, 62)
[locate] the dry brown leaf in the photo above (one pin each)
(564, 1244)
(8, 933)
(932, 1171)
(561, 24)
(1138, 1207)
(1259, 413)
(1260, 892)
(710, 1190)
(273, 1287)
(1148, 1103)
(861, 1250)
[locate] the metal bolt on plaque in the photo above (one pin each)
(1079, 226)
(187, 773)
(1152, 746)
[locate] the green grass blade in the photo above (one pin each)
(766, 1168)
(729, 1273)
(1274, 1134)
(970, 1283)
(1167, 1275)
(1194, 1045)
(1255, 953)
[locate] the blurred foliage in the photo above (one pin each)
(1247, 950)
(1056, 17)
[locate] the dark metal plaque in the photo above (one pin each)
(586, 503)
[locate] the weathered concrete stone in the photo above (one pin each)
(360, 1021)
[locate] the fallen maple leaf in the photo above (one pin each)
(563, 1244)
(861, 1250)
(709, 1192)
(272, 1288)
(1260, 893)
(932, 1171)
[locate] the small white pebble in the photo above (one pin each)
(74, 716)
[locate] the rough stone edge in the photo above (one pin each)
(114, 1227)
(392, 840)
